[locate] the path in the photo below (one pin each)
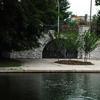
(48, 65)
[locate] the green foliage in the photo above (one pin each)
(98, 24)
(20, 22)
(97, 28)
(90, 42)
(71, 41)
(19, 25)
(73, 26)
(97, 2)
(10, 63)
(95, 24)
(64, 6)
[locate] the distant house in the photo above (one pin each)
(81, 20)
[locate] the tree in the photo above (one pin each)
(97, 28)
(97, 2)
(94, 24)
(64, 13)
(51, 13)
(89, 43)
(21, 23)
(71, 44)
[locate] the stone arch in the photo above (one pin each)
(51, 50)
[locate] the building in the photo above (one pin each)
(83, 20)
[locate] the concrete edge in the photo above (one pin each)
(49, 71)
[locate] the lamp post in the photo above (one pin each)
(90, 15)
(58, 15)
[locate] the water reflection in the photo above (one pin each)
(68, 87)
(50, 86)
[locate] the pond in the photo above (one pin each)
(50, 86)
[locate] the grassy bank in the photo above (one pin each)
(10, 63)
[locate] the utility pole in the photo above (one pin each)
(90, 15)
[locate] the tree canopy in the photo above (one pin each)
(97, 2)
(21, 23)
(97, 21)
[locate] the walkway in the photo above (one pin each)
(48, 65)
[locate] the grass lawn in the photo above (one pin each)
(10, 63)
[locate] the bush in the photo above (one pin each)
(70, 43)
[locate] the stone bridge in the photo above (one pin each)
(38, 52)
(34, 53)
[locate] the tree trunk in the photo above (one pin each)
(85, 57)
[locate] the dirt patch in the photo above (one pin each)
(73, 62)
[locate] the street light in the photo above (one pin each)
(58, 14)
(90, 15)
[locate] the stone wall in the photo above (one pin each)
(33, 53)
(95, 54)
(82, 29)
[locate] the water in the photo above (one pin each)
(50, 86)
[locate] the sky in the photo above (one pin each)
(82, 7)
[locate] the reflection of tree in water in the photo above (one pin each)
(50, 86)
(92, 85)
(58, 86)
(4, 87)
(83, 87)
(67, 86)
(19, 86)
